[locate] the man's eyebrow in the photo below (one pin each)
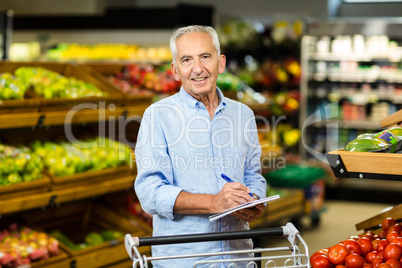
(205, 54)
(183, 57)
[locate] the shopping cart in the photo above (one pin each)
(289, 257)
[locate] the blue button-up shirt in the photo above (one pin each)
(179, 148)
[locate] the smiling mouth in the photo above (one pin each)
(199, 79)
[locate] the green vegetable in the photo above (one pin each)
(65, 240)
(366, 145)
(51, 84)
(93, 239)
(109, 235)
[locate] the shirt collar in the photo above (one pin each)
(192, 102)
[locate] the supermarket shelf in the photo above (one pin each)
(355, 124)
(353, 57)
(38, 119)
(65, 195)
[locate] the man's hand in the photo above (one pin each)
(231, 195)
(249, 214)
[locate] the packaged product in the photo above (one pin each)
(387, 141)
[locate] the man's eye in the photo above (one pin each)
(205, 58)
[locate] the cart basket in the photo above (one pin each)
(291, 256)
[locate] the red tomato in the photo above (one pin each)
(315, 254)
(337, 254)
(369, 235)
(352, 246)
(382, 245)
(365, 245)
(367, 265)
(395, 228)
(375, 243)
(383, 265)
(380, 255)
(394, 263)
(371, 256)
(398, 241)
(392, 251)
(354, 237)
(354, 260)
(391, 236)
(382, 234)
(388, 222)
(320, 262)
(377, 262)
(340, 266)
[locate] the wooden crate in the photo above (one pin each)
(25, 188)
(367, 165)
(89, 177)
(69, 70)
(21, 222)
(30, 103)
(374, 222)
(77, 219)
(102, 70)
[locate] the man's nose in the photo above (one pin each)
(197, 67)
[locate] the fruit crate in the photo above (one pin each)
(19, 232)
(369, 165)
(75, 221)
(374, 223)
(29, 104)
(89, 177)
(102, 70)
(25, 188)
(69, 70)
(365, 165)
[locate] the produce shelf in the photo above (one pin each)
(39, 119)
(52, 198)
(375, 221)
(365, 165)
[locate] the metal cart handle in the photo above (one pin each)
(289, 230)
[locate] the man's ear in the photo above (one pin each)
(175, 71)
(222, 63)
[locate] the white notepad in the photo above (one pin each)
(245, 205)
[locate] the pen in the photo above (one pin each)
(226, 178)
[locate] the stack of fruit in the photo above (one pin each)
(67, 158)
(49, 84)
(92, 238)
(19, 165)
(229, 82)
(65, 51)
(145, 79)
(368, 250)
(11, 87)
(23, 246)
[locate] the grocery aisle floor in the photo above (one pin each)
(337, 223)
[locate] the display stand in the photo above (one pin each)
(368, 165)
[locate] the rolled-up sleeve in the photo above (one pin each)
(152, 184)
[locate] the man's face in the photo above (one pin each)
(197, 64)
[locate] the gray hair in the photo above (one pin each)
(193, 29)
